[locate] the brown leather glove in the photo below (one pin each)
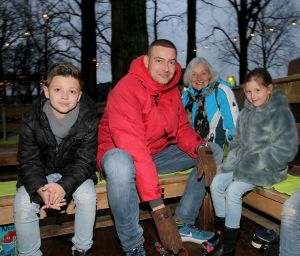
(206, 164)
(167, 229)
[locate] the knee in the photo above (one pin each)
(233, 193)
(215, 184)
(118, 164)
(86, 193)
(23, 208)
(289, 209)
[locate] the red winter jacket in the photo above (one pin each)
(144, 117)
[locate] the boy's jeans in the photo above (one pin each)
(119, 169)
(27, 220)
(227, 196)
(290, 226)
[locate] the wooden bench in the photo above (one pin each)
(60, 224)
(268, 202)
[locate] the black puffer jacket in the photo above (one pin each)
(39, 154)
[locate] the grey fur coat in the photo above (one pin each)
(264, 142)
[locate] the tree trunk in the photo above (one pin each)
(129, 35)
(88, 51)
(191, 33)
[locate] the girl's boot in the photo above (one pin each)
(219, 224)
(227, 243)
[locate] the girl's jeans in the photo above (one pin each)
(119, 169)
(27, 220)
(290, 226)
(227, 198)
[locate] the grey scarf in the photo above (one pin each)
(60, 127)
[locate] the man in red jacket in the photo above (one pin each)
(144, 131)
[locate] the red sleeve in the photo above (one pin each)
(124, 112)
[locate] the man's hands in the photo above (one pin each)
(167, 229)
(206, 164)
(52, 195)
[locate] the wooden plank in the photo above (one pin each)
(8, 154)
(100, 222)
(15, 110)
(260, 220)
(266, 201)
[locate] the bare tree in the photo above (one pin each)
(88, 47)
(274, 37)
(129, 34)
(191, 30)
(159, 16)
(236, 42)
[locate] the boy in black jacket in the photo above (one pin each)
(57, 151)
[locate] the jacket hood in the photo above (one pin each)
(277, 99)
(138, 70)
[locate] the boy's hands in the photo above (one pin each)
(206, 164)
(167, 229)
(53, 196)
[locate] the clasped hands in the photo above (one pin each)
(206, 164)
(53, 196)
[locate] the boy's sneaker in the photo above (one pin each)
(138, 251)
(263, 238)
(190, 233)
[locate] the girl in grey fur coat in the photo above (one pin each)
(264, 142)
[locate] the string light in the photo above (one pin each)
(206, 46)
(27, 33)
(294, 23)
(252, 34)
(45, 16)
(272, 29)
(234, 39)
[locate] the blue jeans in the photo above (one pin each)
(290, 226)
(27, 220)
(227, 196)
(119, 169)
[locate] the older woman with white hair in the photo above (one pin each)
(209, 102)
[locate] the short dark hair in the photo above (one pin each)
(260, 75)
(65, 69)
(163, 43)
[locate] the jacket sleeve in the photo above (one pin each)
(31, 169)
(229, 110)
(234, 146)
(127, 129)
(283, 145)
(84, 164)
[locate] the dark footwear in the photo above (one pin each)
(263, 238)
(227, 243)
(219, 224)
(82, 253)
